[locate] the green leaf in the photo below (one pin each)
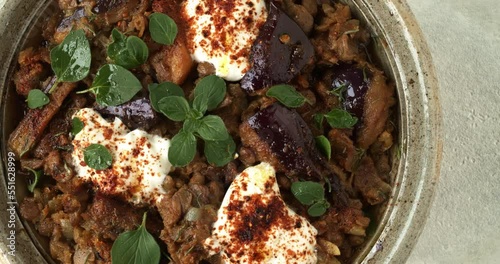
(159, 91)
(174, 107)
(70, 60)
(287, 95)
(308, 192)
(318, 120)
(338, 118)
(339, 91)
(97, 157)
(129, 52)
(76, 126)
(37, 99)
(318, 209)
(209, 93)
(114, 85)
(191, 125)
(324, 145)
(195, 114)
(313, 194)
(162, 28)
(38, 174)
(212, 127)
(220, 152)
(136, 246)
(182, 149)
(200, 104)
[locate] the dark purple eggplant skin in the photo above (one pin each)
(275, 62)
(292, 142)
(67, 22)
(137, 113)
(289, 139)
(103, 6)
(356, 82)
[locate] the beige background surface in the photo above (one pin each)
(464, 223)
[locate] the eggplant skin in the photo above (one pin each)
(289, 139)
(278, 54)
(137, 113)
(31, 128)
(281, 137)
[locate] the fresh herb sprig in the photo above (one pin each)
(38, 174)
(209, 93)
(338, 118)
(219, 152)
(311, 194)
(70, 60)
(162, 28)
(159, 91)
(114, 85)
(136, 246)
(97, 157)
(318, 120)
(287, 95)
(129, 52)
(339, 91)
(168, 99)
(37, 99)
(324, 146)
(76, 126)
(182, 148)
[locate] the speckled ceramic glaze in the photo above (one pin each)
(403, 55)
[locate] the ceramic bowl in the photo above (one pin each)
(401, 52)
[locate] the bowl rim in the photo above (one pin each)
(420, 131)
(420, 128)
(15, 20)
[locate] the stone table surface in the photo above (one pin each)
(464, 222)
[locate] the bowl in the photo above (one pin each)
(403, 55)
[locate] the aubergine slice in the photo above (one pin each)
(367, 95)
(281, 137)
(354, 82)
(289, 140)
(137, 113)
(31, 128)
(279, 53)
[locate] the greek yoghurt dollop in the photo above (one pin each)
(222, 32)
(254, 225)
(140, 160)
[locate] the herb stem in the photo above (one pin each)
(54, 86)
(87, 90)
(329, 184)
(24, 151)
(144, 216)
(37, 175)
